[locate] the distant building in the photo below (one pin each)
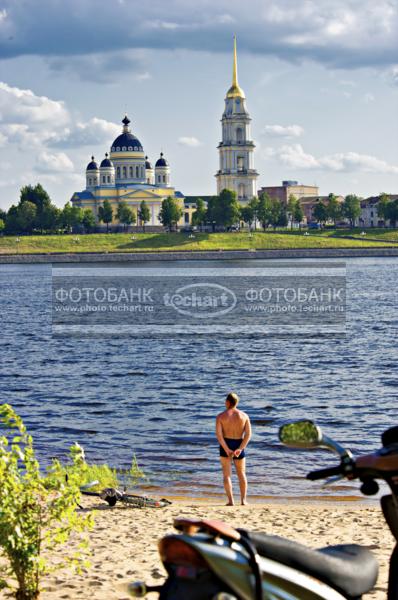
(369, 216)
(126, 175)
(288, 188)
(236, 172)
(308, 204)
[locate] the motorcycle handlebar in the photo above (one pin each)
(324, 473)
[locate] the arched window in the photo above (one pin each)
(89, 181)
(131, 172)
(130, 148)
(103, 179)
(164, 178)
(159, 178)
(124, 172)
(137, 173)
(239, 134)
(241, 190)
(109, 178)
(240, 163)
(118, 172)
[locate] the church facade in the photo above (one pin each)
(236, 150)
(126, 175)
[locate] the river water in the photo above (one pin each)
(157, 398)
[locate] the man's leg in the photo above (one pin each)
(226, 471)
(240, 466)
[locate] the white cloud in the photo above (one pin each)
(294, 156)
(57, 162)
(22, 106)
(394, 74)
(192, 142)
(288, 131)
(346, 33)
(3, 15)
(93, 132)
(368, 97)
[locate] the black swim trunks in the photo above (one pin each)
(232, 445)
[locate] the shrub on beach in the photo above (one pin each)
(37, 510)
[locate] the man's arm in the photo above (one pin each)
(248, 433)
(220, 437)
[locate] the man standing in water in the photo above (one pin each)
(233, 432)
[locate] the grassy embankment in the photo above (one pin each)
(140, 242)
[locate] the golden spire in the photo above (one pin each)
(235, 91)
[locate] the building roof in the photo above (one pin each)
(161, 162)
(84, 195)
(126, 142)
(106, 162)
(92, 166)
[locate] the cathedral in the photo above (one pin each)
(125, 174)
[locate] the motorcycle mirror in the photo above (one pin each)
(301, 434)
(306, 434)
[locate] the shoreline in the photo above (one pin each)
(107, 257)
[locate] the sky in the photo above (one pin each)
(320, 78)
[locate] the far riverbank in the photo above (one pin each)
(117, 257)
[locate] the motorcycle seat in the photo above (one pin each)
(350, 569)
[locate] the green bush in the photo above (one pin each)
(37, 510)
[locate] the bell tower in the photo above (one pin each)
(236, 149)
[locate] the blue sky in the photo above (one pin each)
(320, 77)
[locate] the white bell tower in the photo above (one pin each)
(236, 149)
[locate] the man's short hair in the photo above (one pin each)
(232, 399)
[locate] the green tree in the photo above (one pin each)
(2, 226)
(50, 218)
(144, 214)
(298, 213)
(26, 216)
(247, 215)
(382, 207)
(213, 213)
(125, 214)
(320, 212)
(291, 207)
(46, 212)
(253, 204)
(88, 220)
(105, 213)
(200, 215)
(170, 213)
(282, 216)
(264, 210)
(333, 208)
(37, 509)
(228, 208)
(392, 212)
(351, 208)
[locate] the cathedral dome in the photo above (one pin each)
(126, 141)
(92, 166)
(106, 162)
(161, 162)
(147, 163)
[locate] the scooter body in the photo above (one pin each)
(231, 565)
(210, 560)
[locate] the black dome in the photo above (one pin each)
(147, 163)
(92, 166)
(161, 162)
(106, 162)
(126, 142)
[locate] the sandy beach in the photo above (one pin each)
(124, 540)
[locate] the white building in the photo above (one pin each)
(236, 149)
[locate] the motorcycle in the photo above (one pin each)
(211, 560)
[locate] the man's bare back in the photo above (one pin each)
(233, 423)
(233, 432)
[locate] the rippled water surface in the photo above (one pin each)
(158, 398)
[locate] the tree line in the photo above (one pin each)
(225, 211)
(36, 213)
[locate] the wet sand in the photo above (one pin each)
(124, 540)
